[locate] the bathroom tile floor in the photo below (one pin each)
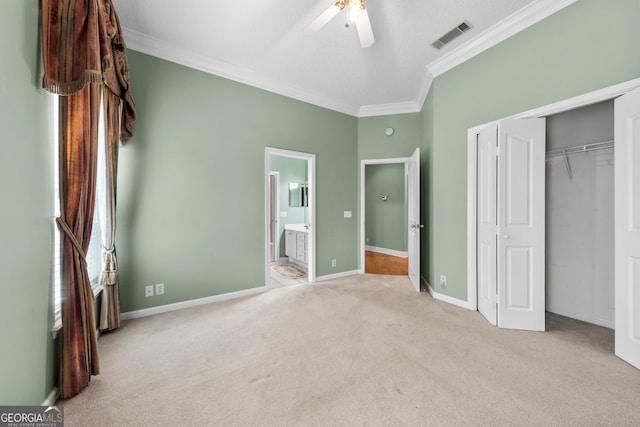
(279, 280)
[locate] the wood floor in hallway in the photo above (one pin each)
(377, 263)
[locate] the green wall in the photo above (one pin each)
(291, 170)
(191, 183)
(587, 46)
(386, 220)
(26, 210)
(374, 144)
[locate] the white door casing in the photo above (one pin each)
(627, 227)
(274, 220)
(486, 217)
(311, 178)
(413, 213)
(521, 224)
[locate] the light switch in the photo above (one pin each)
(283, 214)
(347, 214)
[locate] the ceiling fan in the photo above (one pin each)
(356, 14)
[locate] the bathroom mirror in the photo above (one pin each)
(298, 195)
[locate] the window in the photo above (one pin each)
(94, 252)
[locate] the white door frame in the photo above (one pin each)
(472, 154)
(363, 163)
(311, 178)
(274, 199)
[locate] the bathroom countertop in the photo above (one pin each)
(297, 227)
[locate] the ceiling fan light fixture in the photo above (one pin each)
(353, 10)
(356, 14)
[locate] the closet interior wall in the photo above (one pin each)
(580, 216)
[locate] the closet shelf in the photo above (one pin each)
(580, 149)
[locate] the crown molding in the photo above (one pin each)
(170, 52)
(511, 25)
(426, 87)
(400, 107)
(388, 109)
(518, 21)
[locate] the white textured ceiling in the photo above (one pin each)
(261, 42)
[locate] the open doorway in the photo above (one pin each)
(289, 217)
(580, 214)
(386, 219)
(410, 185)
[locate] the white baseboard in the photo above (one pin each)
(191, 303)
(337, 275)
(52, 397)
(450, 300)
(386, 251)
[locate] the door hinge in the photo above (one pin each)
(497, 151)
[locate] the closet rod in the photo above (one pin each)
(580, 149)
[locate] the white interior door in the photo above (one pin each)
(274, 242)
(521, 224)
(627, 227)
(486, 218)
(413, 208)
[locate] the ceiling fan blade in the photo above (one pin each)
(365, 33)
(323, 19)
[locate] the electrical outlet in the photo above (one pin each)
(443, 281)
(367, 240)
(333, 263)
(160, 289)
(148, 291)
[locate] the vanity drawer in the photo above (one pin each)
(296, 245)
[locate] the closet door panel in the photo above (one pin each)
(486, 140)
(627, 235)
(521, 224)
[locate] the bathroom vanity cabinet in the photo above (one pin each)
(295, 244)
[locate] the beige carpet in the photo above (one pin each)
(361, 351)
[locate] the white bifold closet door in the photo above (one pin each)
(627, 234)
(511, 227)
(487, 221)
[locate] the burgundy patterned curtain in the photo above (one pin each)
(78, 117)
(83, 51)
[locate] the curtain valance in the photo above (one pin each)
(82, 44)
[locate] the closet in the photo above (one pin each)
(580, 211)
(554, 216)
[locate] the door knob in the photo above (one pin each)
(417, 225)
(506, 236)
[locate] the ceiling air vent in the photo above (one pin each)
(451, 35)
